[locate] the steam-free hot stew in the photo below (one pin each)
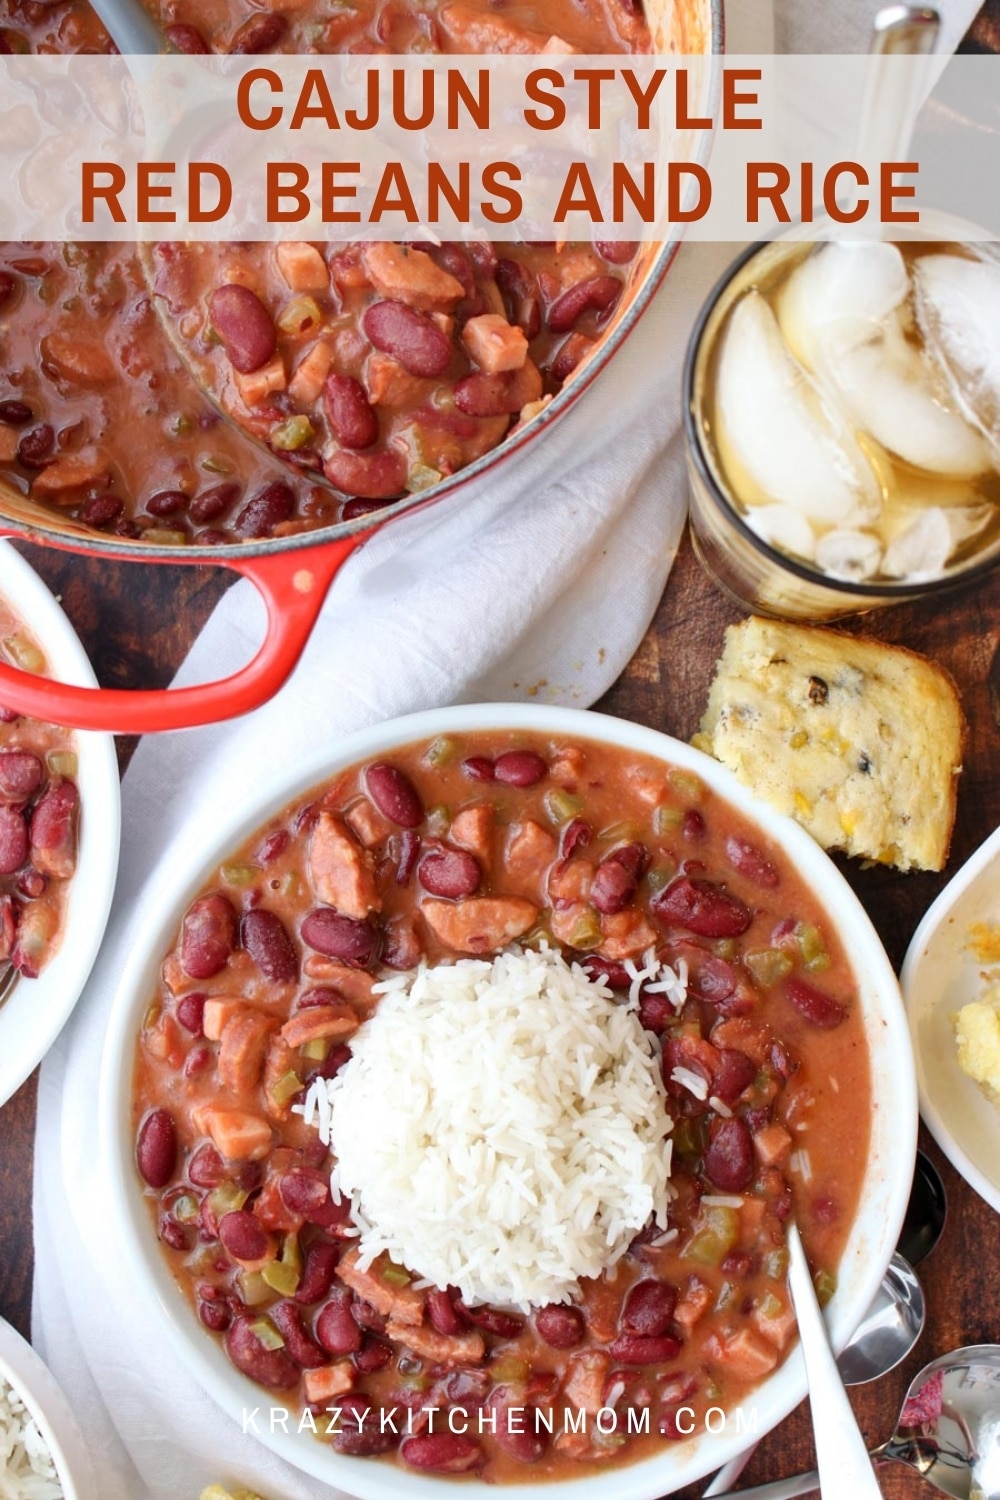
(379, 369)
(455, 848)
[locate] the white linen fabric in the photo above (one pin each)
(539, 582)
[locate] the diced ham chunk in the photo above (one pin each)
(444, 1348)
(410, 276)
(743, 1355)
(242, 1048)
(472, 829)
(312, 369)
(328, 1382)
(89, 466)
(341, 872)
(365, 820)
(259, 384)
(693, 1303)
(302, 266)
(529, 851)
(626, 934)
(777, 1327)
(354, 984)
(495, 344)
(388, 383)
(319, 1021)
(570, 880)
(219, 1009)
(585, 1378)
(482, 924)
(403, 1303)
(772, 1144)
(238, 1134)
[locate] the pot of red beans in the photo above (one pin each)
(368, 379)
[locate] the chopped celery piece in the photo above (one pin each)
(281, 1278)
(729, 1294)
(819, 963)
(152, 1015)
(718, 1231)
(713, 1390)
(266, 1332)
(227, 1198)
(562, 807)
(667, 819)
(685, 1138)
(165, 536)
(442, 752)
(607, 1438)
(687, 786)
(240, 875)
(216, 464)
(62, 763)
(724, 948)
(253, 1288)
(809, 940)
(659, 878)
(509, 1370)
(775, 1265)
(768, 965)
(316, 1050)
(421, 477)
(286, 1088)
(825, 1284)
(24, 653)
(298, 315)
(291, 885)
(622, 833)
(182, 425)
(770, 1306)
(394, 1275)
(185, 1208)
(587, 931)
(438, 818)
(291, 1255)
(297, 432)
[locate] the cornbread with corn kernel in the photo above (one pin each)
(977, 1034)
(860, 742)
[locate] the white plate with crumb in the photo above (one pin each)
(954, 959)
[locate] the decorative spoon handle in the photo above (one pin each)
(841, 1455)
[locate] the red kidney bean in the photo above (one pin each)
(8, 715)
(259, 34)
(560, 1325)
(443, 1453)
(373, 476)
(656, 1012)
(597, 293)
(53, 830)
(191, 1012)
(187, 39)
(521, 296)
(273, 847)
(7, 285)
(167, 503)
(31, 883)
(156, 1148)
(693, 826)
(478, 768)
(702, 907)
(20, 775)
(304, 1191)
(453, 259)
(272, 1367)
(504, 1325)
(317, 1273)
(816, 1007)
(571, 352)
(352, 418)
(13, 840)
(442, 1314)
(208, 935)
(519, 768)
(649, 1308)
(734, 1073)
(518, 1433)
(174, 1234)
(368, 1317)
(206, 1168)
(351, 942)
(336, 1329)
(451, 873)
(782, 1064)
(616, 878)
(712, 979)
(197, 1060)
(352, 509)
(748, 860)
(409, 849)
(35, 448)
(210, 504)
(409, 336)
(360, 1431)
(215, 1315)
(287, 1318)
(633, 1349)
(243, 1235)
(15, 413)
(101, 510)
(617, 252)
(264, 936)
(729, 1158)
(374, 1354)
(394, 794)
(243, 323)
(577, 834)
(482, 395)
(615, 975)
(266, 510)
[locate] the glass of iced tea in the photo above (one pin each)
(842, 410)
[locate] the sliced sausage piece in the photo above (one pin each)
(242, 1050)
(482, 924)
(472, 829)
(341, 871)
(238, 1134)
(319, 1021)
(403, 1303)
(529, 852)
(409, 275)
(443, 1348)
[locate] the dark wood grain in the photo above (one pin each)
(137, 629)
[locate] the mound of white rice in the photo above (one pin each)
(500, 1127)
(26, 1468)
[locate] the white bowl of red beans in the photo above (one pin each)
(785, 1063)
(59, 831)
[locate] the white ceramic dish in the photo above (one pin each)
(37, 1009)
(940, 975)
(872, 1240)
(21, 1368)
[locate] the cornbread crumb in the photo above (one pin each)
(977, 1032)
(984, 941)
(860, 742)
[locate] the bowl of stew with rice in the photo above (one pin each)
(463, 1088)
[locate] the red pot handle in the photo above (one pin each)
(294, 586)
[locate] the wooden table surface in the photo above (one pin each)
(137, 636)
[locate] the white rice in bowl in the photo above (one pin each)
(501, 1127)
(27, 1471)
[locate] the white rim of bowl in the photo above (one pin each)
(91, 890)
(25, 1370)
(891, 1147)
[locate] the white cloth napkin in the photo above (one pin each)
(538, 583)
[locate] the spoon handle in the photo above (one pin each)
(841, 1455)
(778, 1489)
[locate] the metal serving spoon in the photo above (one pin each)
(948, 1431)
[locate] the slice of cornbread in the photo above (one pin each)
(977, 1033)
(860, 742)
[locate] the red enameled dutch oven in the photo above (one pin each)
(294, 573)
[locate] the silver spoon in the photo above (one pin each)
(948, 1431)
